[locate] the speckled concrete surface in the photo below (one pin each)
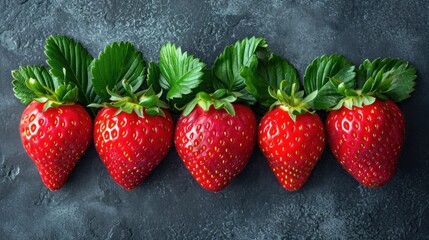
(170, 204)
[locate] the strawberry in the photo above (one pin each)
(131, 146)
(365, 128)
(367, 140)
(290, 136)
(215, 145)
(55, 131)
(55, 139)
(132, 135)
(291, 147)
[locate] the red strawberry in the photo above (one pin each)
(131, 146)
(291, 147)
(367, 140)
(55, 139)
(214, 145)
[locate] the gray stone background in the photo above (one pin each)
(170, 204)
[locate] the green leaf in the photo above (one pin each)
(115, 63)
(371, 69)
(318, 75)
(310, 97)
(393, 78)
(153, 77)
(278, 69)
(257, 86)
(69, 62)
(205, 86)
(270, 74)
(230, 64)
(39, 74)
(180, 73)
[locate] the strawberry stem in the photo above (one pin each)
(62, 95)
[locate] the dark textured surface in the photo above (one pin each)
(170, 204)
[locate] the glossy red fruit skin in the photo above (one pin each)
(292, 148)
(214, 145)
(367, 141)
(131, 146)
(55, 139)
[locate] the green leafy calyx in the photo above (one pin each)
(39, 74)
(37, 83)
(294, 103)
(146, 101)
(383, 79)
(62, 95)
(352, 97)
(220, 99)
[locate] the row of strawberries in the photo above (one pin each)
(217, 130)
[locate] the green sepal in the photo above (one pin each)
(37, 88)
(39, 74)
(351, 97)
(219, 93)
(220, 99)
(294, 103)
(359, 100)
(190, 106)
(149, 102)
(60, 96)
(146, 101)
(49, 104)
(383, 79)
